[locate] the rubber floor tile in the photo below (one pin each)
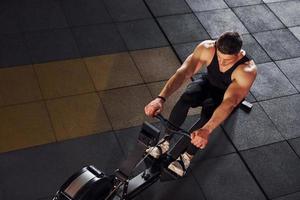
(24, 126)
(113, 71)
(63, 78)
(98, 39)
(142, 34)
(258, 18)
(270, 83)
(279, 44)
(218, 21)
(77, 116)
(182, 28)
(168, 7)
(91, 12)
(248, 130)
(51, 45)
(287, 11)
(290, 69)
(18, 85)
(8, 19)
(156, 64)
(125, 106)
(13, 50)
(226, 177)
(293, 196)
(284, 112)
(296, 31)
(276, 167)
(125, 10)
(202, 5)
(235, 3)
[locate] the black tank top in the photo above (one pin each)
(221, 80)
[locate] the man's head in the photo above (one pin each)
(229, 43)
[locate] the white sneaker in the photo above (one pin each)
(156, 151)
(180, 165)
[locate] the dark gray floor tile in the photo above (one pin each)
(279, 44)
(51, 45)
(287, 11)
(250, 97)
(168, 7)
(271, 82)
(295, 143)
(226, 177)
(40, 171)
(293, 196)
(235, 3)
(185, 49)
(296, 31)
(185, 188)
(202, 5)
(123, 10)
(183, 28)
(98, 40)
(291, 69)
(284, 112)
(13, 50)
(258, 18)
(39, 15)
(218, 21)
(276, 167)
(248, 130)
(91, 12)
(9, 21)
(142, 34)
(252, 48)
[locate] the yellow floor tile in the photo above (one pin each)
(64, 78)
(125, 106)
(78, 116)
(156, 64)
(155, 89)
(18, 85)
(113, 71)
(24, 125)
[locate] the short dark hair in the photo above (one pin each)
(229, 43)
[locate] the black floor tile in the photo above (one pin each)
(252, 48)
(279, 44)
(202, 5)
(235, 3)
(185, 49)
(287, 11)
(81, 12)
(168, 7)
(291, 70)
(183, 28)
(124, 10)
(226, 177)
(258, 18)
(218, 21)
(40, 171)
(293, 196)
(296, 145)
(51, 45)
(248, 130)
(284, 112)
(9, 21)
(39, 15)
(271, 82)
(185, 188)
(276, 167)
(142, 34)
(13, 50)
(98, 40)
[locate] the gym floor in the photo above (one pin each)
(75, 76)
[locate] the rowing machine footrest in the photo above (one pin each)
(168, 175)
(149, 134)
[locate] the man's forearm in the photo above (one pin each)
(172, 85)
(220, 114)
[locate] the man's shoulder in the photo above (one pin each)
(205, 49)
(246, 70)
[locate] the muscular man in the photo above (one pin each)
(230, 74)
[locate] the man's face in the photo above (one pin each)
(225, 59)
